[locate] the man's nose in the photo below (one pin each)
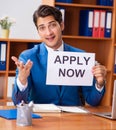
(48, 30)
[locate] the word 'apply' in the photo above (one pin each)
(70, 68)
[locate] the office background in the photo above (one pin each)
(21, 11)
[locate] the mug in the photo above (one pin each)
(24, 115)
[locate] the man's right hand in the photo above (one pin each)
(24, 69)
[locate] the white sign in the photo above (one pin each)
(70, 68)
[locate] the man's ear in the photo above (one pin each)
(62, 25)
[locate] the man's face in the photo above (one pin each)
(50, 31)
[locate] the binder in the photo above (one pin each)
(2, 56)
(102, 2)
(60, 0)
(68, 1)
(86, 23)
(109, 2)
(108, 24)
(64, 1)
(105, 2)
(11, 114)
(96, 19)
(102, 23)
(62, 11)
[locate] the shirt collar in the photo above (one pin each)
(61, 48)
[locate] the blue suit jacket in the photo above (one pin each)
(39, 92)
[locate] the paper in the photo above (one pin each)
(73, 109)
(70, 68)
(46, 108)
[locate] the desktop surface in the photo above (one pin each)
(63, 121)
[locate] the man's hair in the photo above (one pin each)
(46, 10)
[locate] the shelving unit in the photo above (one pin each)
(102, 47)
(14, 48)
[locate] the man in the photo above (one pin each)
(30, 83)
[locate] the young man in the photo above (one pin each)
(30, 83)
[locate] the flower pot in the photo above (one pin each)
(5, 33)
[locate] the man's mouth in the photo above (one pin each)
(50, 38)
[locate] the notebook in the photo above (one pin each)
(11, 114)
(46, 108)
(55, 108)
(112, 114)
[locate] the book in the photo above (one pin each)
(55, 108)
(86, 23)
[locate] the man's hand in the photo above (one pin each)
(99, 71)
(24, 69)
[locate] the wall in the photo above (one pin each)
(22, 11)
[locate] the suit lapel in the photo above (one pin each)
(42, 55)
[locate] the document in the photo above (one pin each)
(70, 68)
(46, 108)
(55, 108)
(73, 109)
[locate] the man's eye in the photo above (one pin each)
(53, 25)
(41, 28)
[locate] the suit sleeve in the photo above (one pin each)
(92, 96)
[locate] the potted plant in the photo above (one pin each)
(6, 23)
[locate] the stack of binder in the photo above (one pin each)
(95, 23)
(2, 55)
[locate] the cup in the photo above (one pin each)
(24, 115)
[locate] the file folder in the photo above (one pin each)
(86, 23)
(96, 20)
(11, 114)
(102, 23)
(108, 24)
(2, 56)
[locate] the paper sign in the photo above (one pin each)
(70, 68)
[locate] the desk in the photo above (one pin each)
(64, 121)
